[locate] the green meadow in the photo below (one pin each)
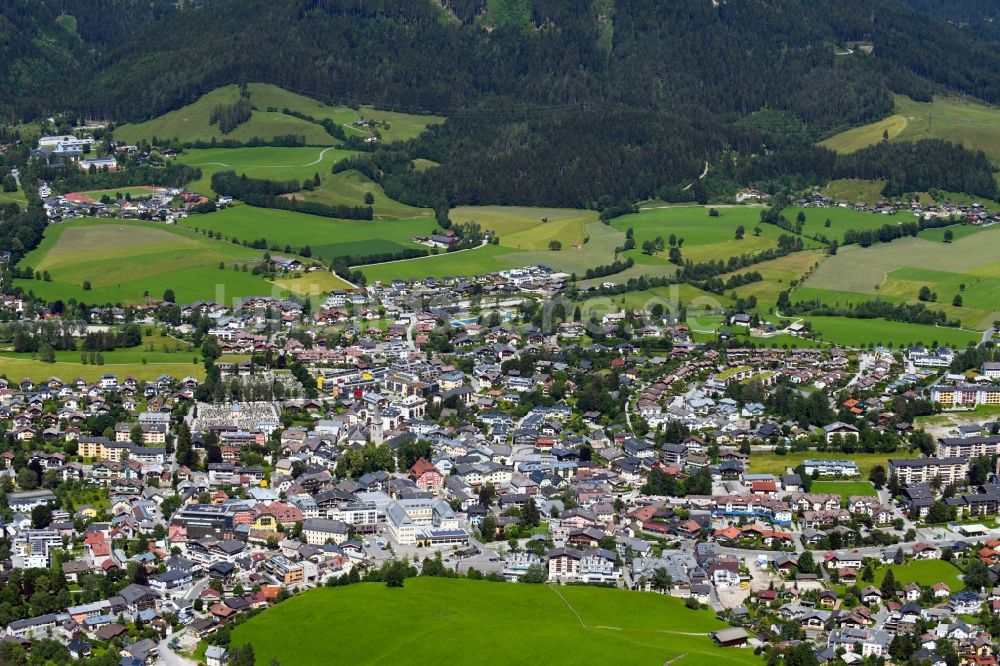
(844, 488)
(156, 355)
(842, 220)
(923, 572)
(970, 123)
(969, 266)
(191, 123)
(550, 624)
(705, 238)
(327, 237)
(126, 262)
(349, 188)
(529, 228)
(477, 261)
(856, 332)
(263, 162)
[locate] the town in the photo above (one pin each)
(840, 496)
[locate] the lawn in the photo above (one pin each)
(844, 488)
(923, 572)
(126, 261)
(970, 123)
(477, 261)
(191, 123)
(327, 237)
(772, 463)
(523, 227)
(548, 625)
(265, 162)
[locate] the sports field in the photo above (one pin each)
(923, 572)
(127, 261)
(327, 237)
(969, 267)
(500, 623)
(972, 124)
(844, 488)
(191, 123)
(772, 463)
(265, 162)
(529, 228)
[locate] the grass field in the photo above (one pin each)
(923, 572)
(549, 625)
(844, 488)
(191, 123)
(972, 124)
(327, 237)
(778, 274)
(16, 369)
(842, 219)
(598, 250)
(478, 261)
(772, 463)
(896, 271)
(265, 162)
(349, 188)
(13, 197)
(866, 135)
(156, 355)
(136, 192)
(523, 228)
(855, 189)
(126, 260)
(705, 237)
(856, 332)
(312, 283)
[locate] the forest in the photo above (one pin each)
(547, 103)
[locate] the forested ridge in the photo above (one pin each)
(550, 102)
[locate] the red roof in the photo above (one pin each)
(422, 466)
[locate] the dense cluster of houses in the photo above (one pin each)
(447, 432)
